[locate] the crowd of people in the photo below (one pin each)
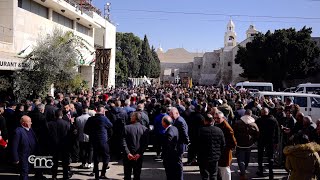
(211, 124)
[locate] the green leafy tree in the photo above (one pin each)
(127, 56)
(155, 64)
(53, 61)
(145, 58)
(283, 55)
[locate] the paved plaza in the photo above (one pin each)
(152, 170)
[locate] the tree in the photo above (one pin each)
(53, 61)
(283, 55)
(128, 49)
(155, 64)
(145, 58)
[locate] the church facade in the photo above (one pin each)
(209, 68)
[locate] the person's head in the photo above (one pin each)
(164, 109)
(127, 102)
(140, 107)
(85, 109)
(198, 108)
(248, 112)
(307, 120)
(174, 113)
(117, 103)
(213, 110)
(300, 138)
(166, 121)
(58, 114)
(36, 101)
(50, 100)
(72, 107)
(20, 107)
(1, 110)
(288, 113)
(299, 117)
(25, 121)
(41, 108)
(219, 117)
(101, 110)
(136, 117)
(208, 119)
(288, 101)
(264, 111)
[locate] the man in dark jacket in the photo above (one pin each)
(170, 151)
(195, 122)
(135, 142)
(50, 109)
(268, 139)
(246, 133)
(211, 144)
(119, 118)
(23, 145)
(97, 128)
(59, 137)
(183, 140)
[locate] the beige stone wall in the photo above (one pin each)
(208, 74)
(196, 71)
(6, 25)
(176, 68)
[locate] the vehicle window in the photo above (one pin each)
(301, 101)
(312, 89)
(299, 89)
(315, 102)
(260, 88)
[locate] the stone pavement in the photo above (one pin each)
(152, 170)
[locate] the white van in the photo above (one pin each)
(261, 86)
(308, 88)
(309, 103)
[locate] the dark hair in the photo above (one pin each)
(208, 118)
(300, 138)
(58, 113)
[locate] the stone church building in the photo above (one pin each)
(209, 68)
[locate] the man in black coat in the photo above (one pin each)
(195, 122)
(211, 144)
(24, 144)
(135, 142)
(97, 128)
(170, 150)
(59, 137)
(40, 127)
(268, 139)
(183, 140)
(50, 109)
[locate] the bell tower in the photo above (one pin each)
(230, 37)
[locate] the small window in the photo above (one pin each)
(229, 63)
(213, 65)
(172, 74)
(315, 102)
(199, 66)
(301, 101)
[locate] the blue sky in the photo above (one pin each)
(198, 32)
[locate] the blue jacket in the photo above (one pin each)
(182, 127)
(22, 145)
(158, 128)
(97, 128)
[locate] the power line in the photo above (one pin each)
(220, 20)
(216, 14)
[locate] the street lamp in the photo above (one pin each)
(107, 11)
